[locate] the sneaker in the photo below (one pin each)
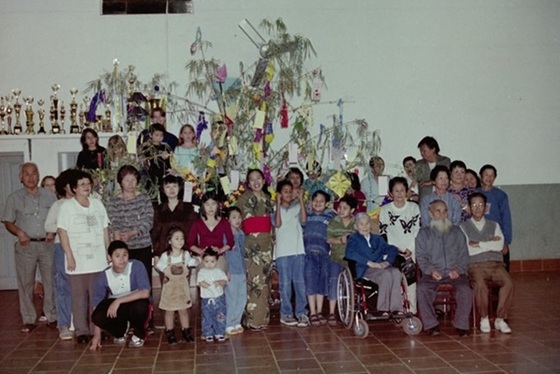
(485, 325)
(231, 330)
(288, 321)
(43, 318)
(239, 329)
(135, 342)
(209, 339)
(220, 338)
(83, 339)
(501, 325)
(65, 334)
(120, 340)
(303, 321)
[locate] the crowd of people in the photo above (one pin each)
(452, 221)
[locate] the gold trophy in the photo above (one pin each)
(106, 123)
(41, 114)
(62, 116)
(17, 109)
(55, 127)
(83, 113)
(74, 128)
(29, 116)
(3, 113)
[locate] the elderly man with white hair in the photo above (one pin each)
(443, 258)
(374, 259)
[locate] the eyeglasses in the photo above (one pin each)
(477, 205)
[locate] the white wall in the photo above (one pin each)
(483, 77)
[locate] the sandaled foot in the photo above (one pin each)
(314, 320)
(331, 320)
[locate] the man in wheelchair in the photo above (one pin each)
(374, 259)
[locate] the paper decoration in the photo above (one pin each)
(339, 183)
(234, 179)
(293, 154)
(131, 143)
(188, 192)
(383, 183)
(224, 181)
(259, 119)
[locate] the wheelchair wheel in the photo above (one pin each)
(361, 328)
(345, 298)
(412, 325)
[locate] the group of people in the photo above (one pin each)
(457, 234)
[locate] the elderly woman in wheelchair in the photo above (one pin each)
(372, 259)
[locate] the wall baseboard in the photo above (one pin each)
(542, 264)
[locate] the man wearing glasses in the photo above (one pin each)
(485, 241)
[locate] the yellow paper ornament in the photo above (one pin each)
(339, 183)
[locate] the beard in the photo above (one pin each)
(442, 226)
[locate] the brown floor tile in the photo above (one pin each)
(213, 369)
(174, 366)
(389, 369)
(63, 366)
(343, 367)
(299, 364)
(141, 363)
(474, 366)
(342, 354)
(459, 355)
(413, 352)
(525, 367)
(292, 354)
(379, 359)
(505, 358)
(256, 361)
(92, 369)
(425, 362)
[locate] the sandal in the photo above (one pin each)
(314, 320)
(331, 320)
(322, 320)
(28, 327)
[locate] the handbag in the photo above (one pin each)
(408, 268)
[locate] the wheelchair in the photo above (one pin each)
(353, 296)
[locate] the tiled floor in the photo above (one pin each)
(534, 346)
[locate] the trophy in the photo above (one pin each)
(83, 116)
(74, 128)
(41, 113)
(106, 123)
(9, 114)
(55, 127)
(17, 109)
(3, 113)
(62, 116)
(28, 116)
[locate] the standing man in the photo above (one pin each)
(485, 241)
(497, 207)
(24, 217)
(443, 257)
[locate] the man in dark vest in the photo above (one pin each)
(485, 241)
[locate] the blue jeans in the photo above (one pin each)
(236, 299)
(62, 293)
(213, 316)
(317, 273)
(290, 272)
(334, 270)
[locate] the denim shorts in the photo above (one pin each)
(317, 273)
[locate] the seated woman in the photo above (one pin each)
(373, 257)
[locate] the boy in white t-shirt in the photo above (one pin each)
(212, 281)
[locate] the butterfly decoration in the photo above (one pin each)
(393, 218)
(407, 226)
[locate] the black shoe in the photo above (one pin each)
(434, 331)
(52, 324)
(462, 332)
(187, 335)
(83, 339)
(171, 339)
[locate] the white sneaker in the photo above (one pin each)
(501, 325)
(485, 325)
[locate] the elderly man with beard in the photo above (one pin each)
(443, 257)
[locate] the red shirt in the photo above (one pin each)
(201, 236)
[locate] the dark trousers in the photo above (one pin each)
(136, 312)
(427, 292)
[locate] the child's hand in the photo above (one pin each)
(204, 284)
(222, 283)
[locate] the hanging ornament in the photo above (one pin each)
(284, 115)
(317, 86)
(197, 40)
(339, 183)
(201, 125)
